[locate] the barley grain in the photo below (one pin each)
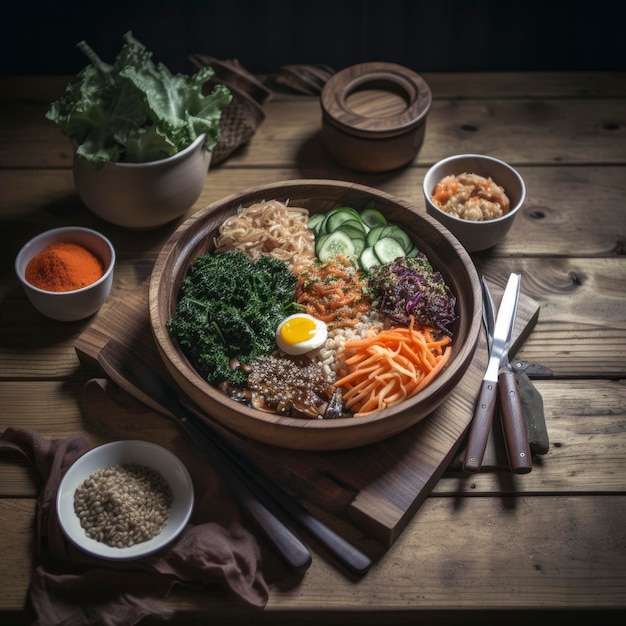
(123, 505)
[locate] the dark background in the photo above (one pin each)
(39, 37)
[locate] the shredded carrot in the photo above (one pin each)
(386, 367)
(333, 293)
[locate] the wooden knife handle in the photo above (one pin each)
(280, 537)
(350, 556)
(513, 423)
(481, 427)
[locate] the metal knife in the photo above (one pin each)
(532, 402)
(499, 376)
(512, 415)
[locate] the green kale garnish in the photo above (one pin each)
(135, 110)
(229, 307)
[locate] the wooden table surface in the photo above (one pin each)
(483, 547)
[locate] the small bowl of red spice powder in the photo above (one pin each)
(67, 272)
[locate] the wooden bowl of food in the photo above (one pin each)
(188, 295)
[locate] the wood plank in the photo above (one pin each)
(556, 211)
(577, 413)
(587, 570)
(585, 423)
(17, 548)
(513, 130)
(547, 572)
(580, 333)
(448, 85)
(581, 329)
(521, 132)
(524, 85)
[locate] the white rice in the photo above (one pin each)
(328, 354)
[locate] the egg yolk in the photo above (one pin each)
(297, 330)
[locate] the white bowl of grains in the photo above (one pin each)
(125, 500)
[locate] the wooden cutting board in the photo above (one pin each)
(376, 487)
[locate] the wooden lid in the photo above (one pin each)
(376, 99)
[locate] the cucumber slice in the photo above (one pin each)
(357, 224)
(359, 246)
(315, 221)
(387, 249)
(319, 242)
(337, 217)
(413, 252)
(352, 231)
(368, 258)
(387, 230)
(373, 218)
(347, 208)
(323, 228)
(402, 238)
(334, 244)
(375, 234)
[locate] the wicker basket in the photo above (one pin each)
(242, 117)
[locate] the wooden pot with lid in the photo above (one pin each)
(374, 116)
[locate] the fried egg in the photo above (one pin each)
(300, 333)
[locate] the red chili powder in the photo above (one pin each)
(63, 267)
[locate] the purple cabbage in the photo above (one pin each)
(409, 286)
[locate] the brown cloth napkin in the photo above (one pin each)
(69, 587)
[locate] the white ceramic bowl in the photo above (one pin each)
(476, 236)
(119, 452)
(144, 195)
(68, 306)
